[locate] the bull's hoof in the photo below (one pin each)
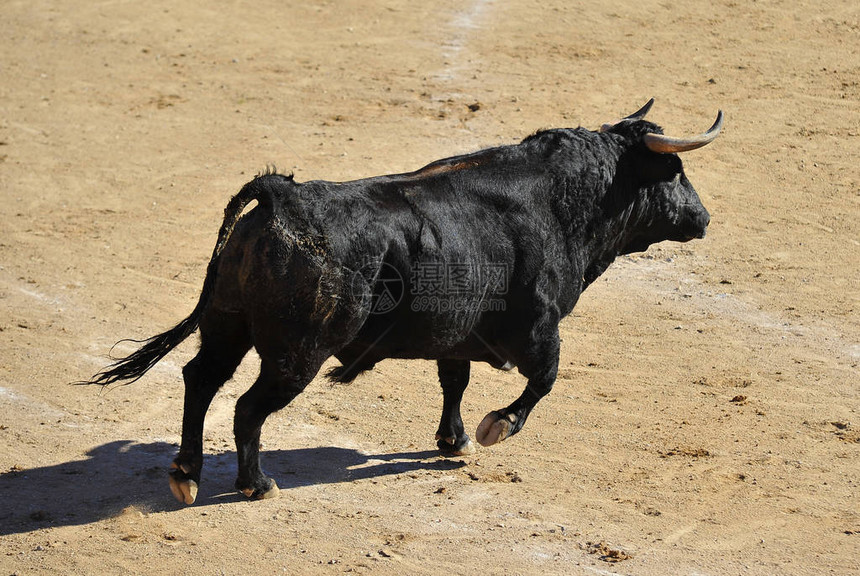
(262, 491)
(183, 487)
(452, 447)
(494, 428)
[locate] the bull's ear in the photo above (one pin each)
(653, 168)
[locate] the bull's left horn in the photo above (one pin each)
(667, 145)
(638, 115)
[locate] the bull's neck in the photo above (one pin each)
(602, 246)
(594, 207)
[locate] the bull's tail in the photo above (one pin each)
(134, 366)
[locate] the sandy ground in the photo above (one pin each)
(706, 416)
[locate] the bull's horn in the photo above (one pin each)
(638, 115)
(667, 145)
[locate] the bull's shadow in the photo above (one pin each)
(123, 473)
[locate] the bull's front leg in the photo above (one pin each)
(451, 438)
(541, 369)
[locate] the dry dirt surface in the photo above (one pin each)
(706, 419)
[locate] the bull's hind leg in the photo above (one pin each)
(279, 382)
(224, 342)
(451, 438)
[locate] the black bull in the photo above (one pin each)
(472, 258)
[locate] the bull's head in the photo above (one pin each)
(667, 206)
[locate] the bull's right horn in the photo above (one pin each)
(667, 145)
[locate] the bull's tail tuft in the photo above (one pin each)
(134, 366)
